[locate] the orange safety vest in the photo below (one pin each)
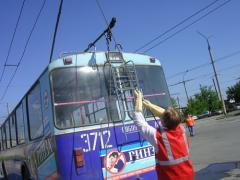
(189, 121)
(172, 157)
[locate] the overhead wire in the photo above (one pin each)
(229, 81)
(13, 37)
(230, 67)
(193, 91)
(206, 64)
(182, 29)
(224, 69)
(175, 26)
(107, 23)
(224, 82)
(207, 74)
(24, 50)
(180, 82)
(188, 70)
(228, 56)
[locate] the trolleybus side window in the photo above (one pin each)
(13, 130)
(80, 96)
(7, 129)
(20, 124)
(35, 113)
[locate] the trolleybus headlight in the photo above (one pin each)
(78, 156)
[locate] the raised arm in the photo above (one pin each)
(156, 110)
(148, 132)
(139, 97)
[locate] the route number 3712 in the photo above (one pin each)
(93, 139)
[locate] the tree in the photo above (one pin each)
(233, 92)
(206, 100)
(174, 103)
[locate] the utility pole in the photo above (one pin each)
(215, 88)
(178, 104)
(184, 84)
(7, 109)
(215, 73)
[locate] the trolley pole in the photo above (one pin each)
(215, 73)
(55, 30)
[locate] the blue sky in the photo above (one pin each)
(138, 22)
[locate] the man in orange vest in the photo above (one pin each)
(190, 124)
(169, 140)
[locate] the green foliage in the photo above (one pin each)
(206, 100)
(174, 103)
(233, 92)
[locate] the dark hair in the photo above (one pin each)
(171, 118)
(187, 113)
(114, 154)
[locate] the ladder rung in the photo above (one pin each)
(126, 89)
(119, 77)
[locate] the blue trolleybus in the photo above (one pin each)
(76, 121)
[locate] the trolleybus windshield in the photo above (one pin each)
(153, 84)
(81, 94)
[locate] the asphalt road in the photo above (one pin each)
(215, 149)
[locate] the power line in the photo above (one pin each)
(106, 21)
(193, 91)
(207, 74)
(197, 90)
(229, 68)
(13, 36)
(221, 70)
(221, 5)
(224, 82)
(184, 85)
(228, 81)
(191, 69)
(175, 26)
(228, 56)
(180, 82)
(24, 50)
(206, 64)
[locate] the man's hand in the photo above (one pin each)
(138, 96)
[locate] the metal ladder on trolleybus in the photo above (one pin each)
(123, 83)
